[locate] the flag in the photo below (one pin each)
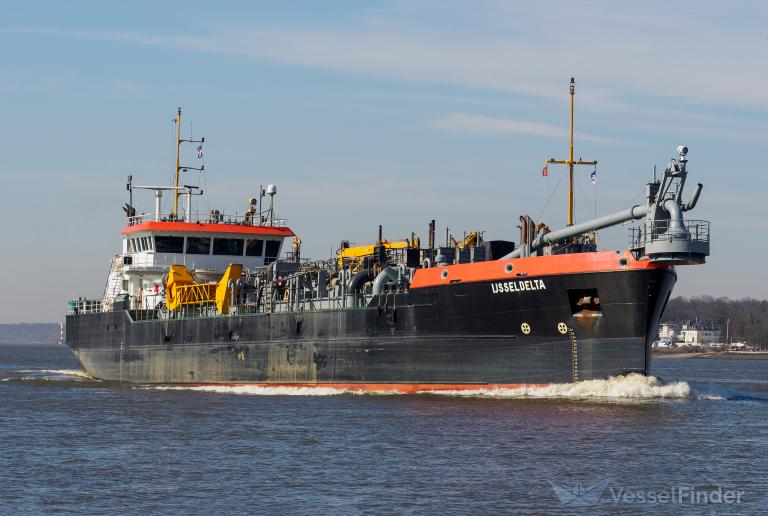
(545, 171)
(593, 176)
(199, 151)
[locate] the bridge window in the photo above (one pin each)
(273, 249)
(169, 244)
(254, 247)
(228, 246)
(198, 245)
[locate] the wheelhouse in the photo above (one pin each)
(202, 246)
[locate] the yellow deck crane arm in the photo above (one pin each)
(368, 250)
(182, 289)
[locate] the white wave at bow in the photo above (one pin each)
(631, 386)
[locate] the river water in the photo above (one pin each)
(694, 439)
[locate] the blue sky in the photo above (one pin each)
(367, 113)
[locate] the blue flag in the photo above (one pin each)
(593, 176)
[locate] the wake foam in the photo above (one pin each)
(719, 393)
(259, 390)
(631, 386)
(52, 375)
(57, 373)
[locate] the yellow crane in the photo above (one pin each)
(357, 253)
(469, 241)
(182, 289)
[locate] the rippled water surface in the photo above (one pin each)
(71, 444)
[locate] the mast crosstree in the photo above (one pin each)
(570, 161)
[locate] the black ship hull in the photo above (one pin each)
(463, 335)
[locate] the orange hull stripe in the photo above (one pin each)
(523, 268)
(209, 228)
(401, 388)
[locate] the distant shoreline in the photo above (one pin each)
(29, 343)
(30, 333)
(709, 354)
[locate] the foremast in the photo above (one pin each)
(179, 167)
(570, 161)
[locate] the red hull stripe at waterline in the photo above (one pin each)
(399, 388)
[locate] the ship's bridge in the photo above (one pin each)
(206, 246)
(202, 245)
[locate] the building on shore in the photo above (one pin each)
(700, 333)
(690, 333)
(669, 331)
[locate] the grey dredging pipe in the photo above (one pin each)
(676, 225)
(362, 277)
(635, 212)
(355, 288)
(694, 198)
(664, 218)
(387, 275)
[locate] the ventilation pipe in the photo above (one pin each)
(694, 198)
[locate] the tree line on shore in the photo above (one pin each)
(29, 332)
(745, 319)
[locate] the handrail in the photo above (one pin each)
(208, 218)
(695, 231)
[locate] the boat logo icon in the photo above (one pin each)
(579, 495)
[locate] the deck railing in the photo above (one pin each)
(211, 218)
(243, 305)
(665, 230)
(85, 306)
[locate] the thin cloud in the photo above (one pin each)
(387, 55)
(617, 65)
(639, 53)
(480, 124)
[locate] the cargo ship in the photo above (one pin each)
(217, 298)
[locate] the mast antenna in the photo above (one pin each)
(176, 182)
(179, 167)
(570, 161)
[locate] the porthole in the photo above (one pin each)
(444, 274)
(508, 268)
(623, 262)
